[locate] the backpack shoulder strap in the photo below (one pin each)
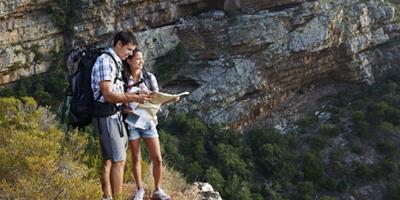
(116, 64)
(117, 74)
(147, 80)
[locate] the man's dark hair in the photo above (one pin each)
(125, 37)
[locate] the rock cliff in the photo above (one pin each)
(241, 59)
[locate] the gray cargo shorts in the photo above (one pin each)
(113, 137)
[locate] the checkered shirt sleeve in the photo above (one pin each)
(104, 70)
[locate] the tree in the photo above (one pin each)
(215, 178)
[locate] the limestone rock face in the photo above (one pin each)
(254, 5)
(27, 33)
(31, 28)
(206, 191)
(248, 64)
(240, 59)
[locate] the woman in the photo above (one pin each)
(142, 82)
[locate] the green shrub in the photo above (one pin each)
(328, 130)
(306, 190)
(214, 177)
(308, 121)
(231, 161)
(312, 167)
(396, 3)
(37, 54)
(48, 89)
(36, 162)
(64, 15)
(168, 66)
(169, 149)
(236, 189)
(393, 191)
(329, 183)
(388, 148)
(194, 171)
(363, 171)
(328, 198)
(318, 142)
(361, 126)
(357, 149)
(389, 169)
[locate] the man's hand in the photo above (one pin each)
(140, 98)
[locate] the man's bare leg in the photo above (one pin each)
(105, 179)
(117, 177)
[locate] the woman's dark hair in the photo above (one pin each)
(127, 69)
(125, 37)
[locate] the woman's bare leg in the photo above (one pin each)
(134, 145)
(153, 146)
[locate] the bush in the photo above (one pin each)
(328, 130)
(397, 5)
(169, 149)
(361, 126)
(318, 142)
(392, 192)
(306, 190)
(312, 167)
(357, 149)
(168, 66)
(388, 148)
(194, 171)
(214, 177)
(236, 189)
(48, 89)
(329, 183)
(328, 198)
(363, 171)
(231, 161)
(36, 162)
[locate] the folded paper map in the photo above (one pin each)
(147, 111)
(160, 98)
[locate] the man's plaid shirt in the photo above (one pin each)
(105, 69)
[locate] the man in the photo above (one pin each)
(107, 86)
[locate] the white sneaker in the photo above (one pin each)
(160, 195)
(139, 194)
(107, 198)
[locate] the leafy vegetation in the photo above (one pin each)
(265, 164)
(36, 161)
(64, 15)
(48, 89)
(259, 164)
(396, 3)
(37, 54)
(168, 66)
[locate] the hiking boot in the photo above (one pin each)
(139, 194)
(160, 195)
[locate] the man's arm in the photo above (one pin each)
(112, 97)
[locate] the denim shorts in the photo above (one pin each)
(148, 132)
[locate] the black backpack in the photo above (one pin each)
(79, 95)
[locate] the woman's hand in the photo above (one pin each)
(144, 91)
